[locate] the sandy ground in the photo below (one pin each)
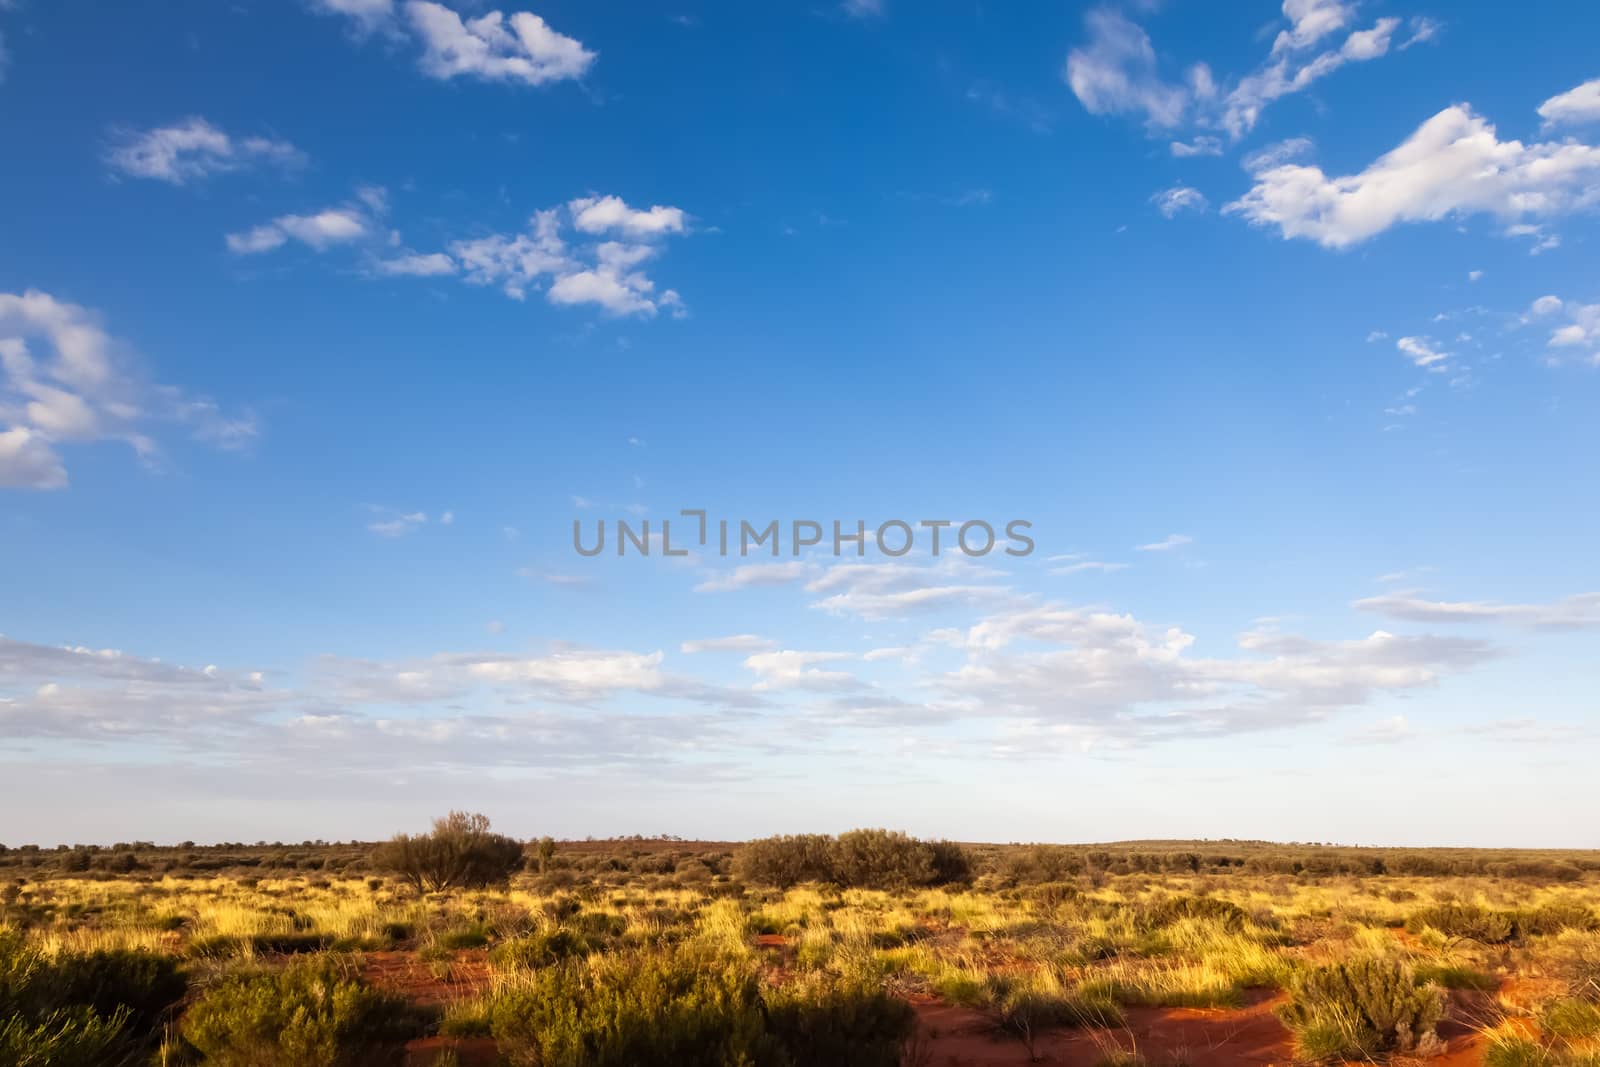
(951, 1036)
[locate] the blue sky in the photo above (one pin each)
(321, 324)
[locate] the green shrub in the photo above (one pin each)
(1572, 1020)
(1554, 917)
(110, 1004)
(1465, 920)
(541, 949)
(785, 860)
(68, 1037)
(647, 1010)
(474, 936)
(1359, 1008)
(459, 853)
(1169, 910)
(1454, 976)
(869, 859)
(313, 1013)
(693, 1008)
(821, 1019)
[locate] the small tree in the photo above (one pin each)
(460, 853)
(546, 850)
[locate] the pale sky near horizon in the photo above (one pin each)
(323, 321)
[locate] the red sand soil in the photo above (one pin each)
(960, 1037)
(429, 984)
(952, 1036)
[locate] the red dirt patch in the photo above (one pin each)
(959, 1037)
(428, 983)
(470, 1051)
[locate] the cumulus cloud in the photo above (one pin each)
(1110, 677)
(64, 380)
(555, 253)
(341, 224)
(1581, 611)
(1180, 198)
(1581, 330)
(1574, 106)
(611, 214)
(494, 47)
(1454, 165)
(192, 150)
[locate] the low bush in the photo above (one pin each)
(459, 853)
(1473, 921)
(103, 1007)
(1571, 1019)
(1454, 976)
(1360, 1008)
(822, 1019)
(693, 1008)
(1169, 910)
(867, 859)
(540, 949)
(656, 1010)
(68, 1037)
(313, 1013)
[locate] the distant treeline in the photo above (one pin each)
(848, 859)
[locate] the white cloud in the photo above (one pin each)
(606, 273)
(192, 150)
(788, 669)
(1167, 543)
(494, 47)
(1310, 21)
(1200, 146)
(1581, 611)
(321, 231)
(1546, 305)
(83, 387)
(607, 214)
(755, 575)
(1286, 75)
(1178, 199)
(1089, 565)
(1115, 679)
(1454, 165)
(897, 590)
(1422, 352)
(735, 643)
(1115, 73)
(1474, 275)
(1573, 106)
(28, 462)
(366, 14)
(399, 525)
(414, 265)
